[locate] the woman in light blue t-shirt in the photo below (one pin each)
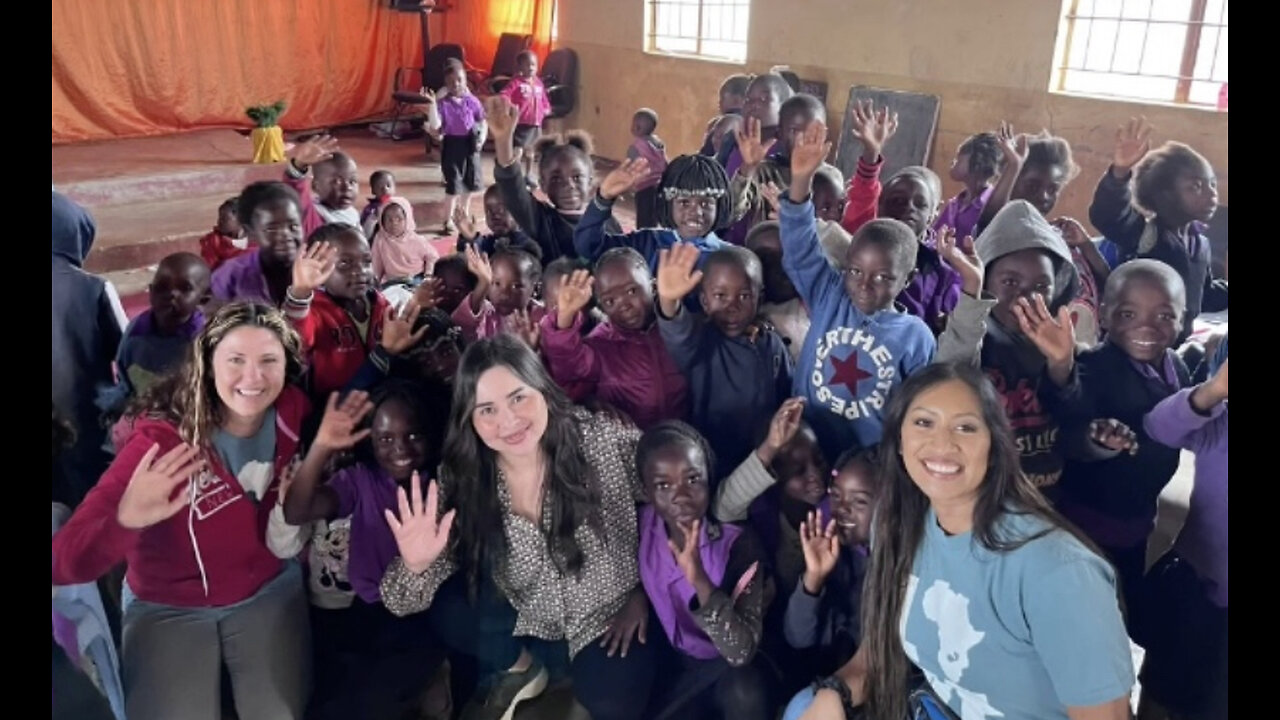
(1007, 610)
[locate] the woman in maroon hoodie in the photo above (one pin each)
(186, 505)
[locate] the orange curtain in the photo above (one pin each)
(148, 67)
(476, 26)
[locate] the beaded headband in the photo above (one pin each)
(673, 193)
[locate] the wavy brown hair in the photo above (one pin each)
(898, 527)
(188, 397)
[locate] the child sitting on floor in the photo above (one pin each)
(707, 584)
(738, 370)
(157, 341)
(331, 195)
(623, 361)
(399, 252)
(503, 298)
(334, 305)
(226, 240)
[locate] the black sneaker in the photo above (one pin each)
(506, 692)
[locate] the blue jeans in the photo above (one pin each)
(172, 656)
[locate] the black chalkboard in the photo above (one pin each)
(913, 143)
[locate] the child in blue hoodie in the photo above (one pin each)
(738, 369)
(693, 202)
(860, 345)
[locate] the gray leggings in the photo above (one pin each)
(172, 656)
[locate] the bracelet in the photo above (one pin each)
(288, 295)
(831, 682)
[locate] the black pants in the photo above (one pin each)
(693, 689)
(1185, 668)
(460, 162)
(370, 663)
(647, 208)
(1130, 564)
(610, 688)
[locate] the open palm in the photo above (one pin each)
(750, 145)
(501, 116)
(315, 150)
(1053, 336)
(810, 150)
(149, 497)
(313, 267)
(677, 271)
(575, 293)
(961, 256)
(421, 537)
(338, 427)
(820, 545)
(623, 178)
(1133, 141)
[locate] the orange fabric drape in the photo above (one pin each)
(476, 26)
(147, 67)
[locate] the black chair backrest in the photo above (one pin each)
(561, 68)
(560, 75)
(437, 56)
(509, 46)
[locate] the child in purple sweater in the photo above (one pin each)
(1185, 671)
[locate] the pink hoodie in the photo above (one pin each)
(404, 255)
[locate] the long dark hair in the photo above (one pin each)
(899, 526)
(470, 474)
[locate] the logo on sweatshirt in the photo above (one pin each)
(852, 373)
(210, 493)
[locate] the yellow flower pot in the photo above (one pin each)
(268, 144)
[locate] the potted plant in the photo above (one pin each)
(268, 139)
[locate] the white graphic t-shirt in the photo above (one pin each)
(1019, 635)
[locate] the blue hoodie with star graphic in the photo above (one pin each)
(850, 361)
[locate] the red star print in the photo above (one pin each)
(848, 373)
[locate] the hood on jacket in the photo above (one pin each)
(73, 230)
(1020, 226)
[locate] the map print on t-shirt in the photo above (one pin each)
(949, 612)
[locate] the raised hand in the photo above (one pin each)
(688, 557)
(501, 116)
(427, 294)
(1113, 435)
(478, 264)
(428, 94)
(462, 218)
(1133, 142)
(821, 549)
(750, 146)
(338, 426)
(782, 428)
(772, 194)
(315, 150)
(1072, 232)
(808, 153)
(312, 268)
(575, 294)
(1053, 337)
(523, 325)
(149, 498)
(873, 128)
(962, 256)
(677, 272)
(420, 536)
(397, 327)
(1013, 146)
(623, 178)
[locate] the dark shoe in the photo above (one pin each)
(506, 692)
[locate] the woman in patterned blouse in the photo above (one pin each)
(544, 498)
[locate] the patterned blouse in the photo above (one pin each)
(549, 604)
